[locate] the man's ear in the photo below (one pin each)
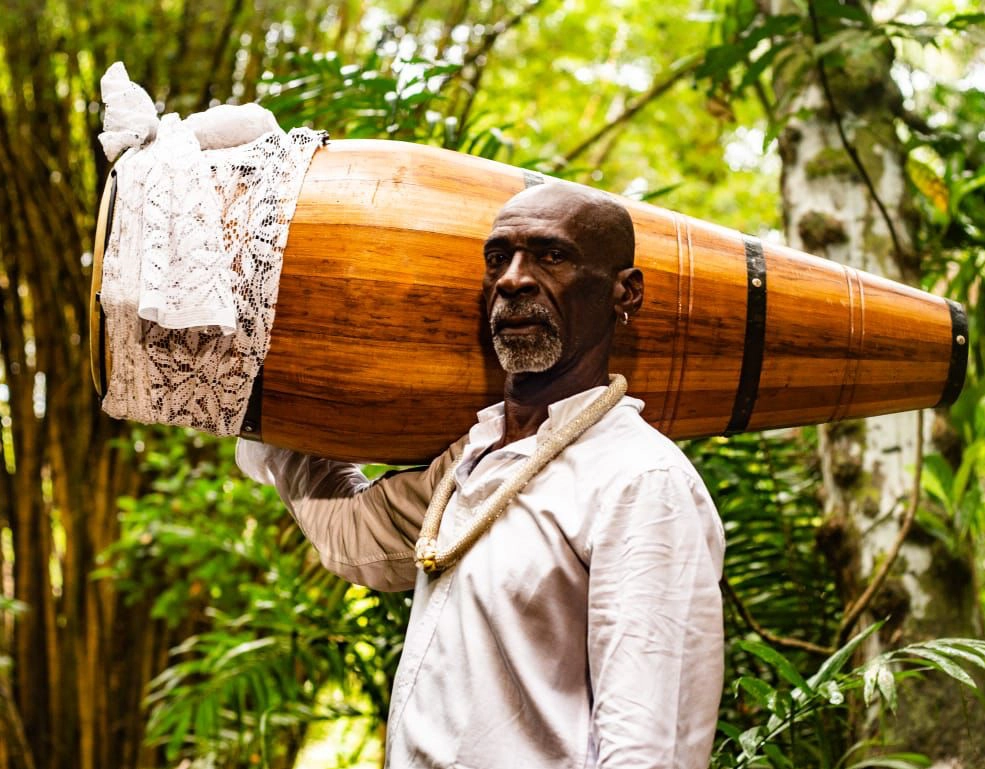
(627, 292)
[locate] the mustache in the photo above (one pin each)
(522, 309)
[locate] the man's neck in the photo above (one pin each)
(527, 396)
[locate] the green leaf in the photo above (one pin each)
(178, 732)
(729, 731)
(893, 761)
(841, 42)
(12, 605)
(759, 690)
(781, 704)
(775, 755)
(660, 192)
(833, 664)
(970, 650)
(750, 740)
(964, 20)
(942, 663)
(886, 682)
(244, 648)
(756, 68)
(719, 60)
(870, 675)
(936, 480)
(971, 457)
(781, 664)
(835, 9)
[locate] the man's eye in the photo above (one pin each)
(495, 258)
(553, 256)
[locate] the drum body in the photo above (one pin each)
(380, 349)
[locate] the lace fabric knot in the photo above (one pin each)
(130, 119)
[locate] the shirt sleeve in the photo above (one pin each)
(655, 632)
(364, 532)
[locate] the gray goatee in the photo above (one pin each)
(530, 352)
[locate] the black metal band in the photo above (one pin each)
(253, 419)
(532, 178)
(752, 353)
(959, 354)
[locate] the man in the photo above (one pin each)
(577, 619)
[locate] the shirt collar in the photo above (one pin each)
(489, 427)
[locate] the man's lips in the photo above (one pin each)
(519, 325)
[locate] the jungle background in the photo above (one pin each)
(157, 610)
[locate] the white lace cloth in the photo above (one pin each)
(191, 271)
(185, 276)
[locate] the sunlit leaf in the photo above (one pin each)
(942, 663)
(833, 664)
(780, 663)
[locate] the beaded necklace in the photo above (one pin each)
(426, 554)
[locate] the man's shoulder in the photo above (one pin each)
(631, 456)
(625, 444)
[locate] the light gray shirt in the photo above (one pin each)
(584, 629)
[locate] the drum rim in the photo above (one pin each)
(99, 361)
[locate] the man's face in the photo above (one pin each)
(548, 293)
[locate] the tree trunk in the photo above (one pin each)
(845, 197)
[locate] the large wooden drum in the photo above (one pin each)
(380, 351)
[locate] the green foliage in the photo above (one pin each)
(958, 517)
(375, 99)
(774, 55)
(799, 719)
(271, 628)
(194, 528)
(250, 685)
(11, 606)
(946, 168)
(267, 626)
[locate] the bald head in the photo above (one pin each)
(595, 217)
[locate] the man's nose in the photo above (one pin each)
(517, 279)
